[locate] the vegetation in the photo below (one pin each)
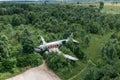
(58, 63)
(101, 5)
(21, 25)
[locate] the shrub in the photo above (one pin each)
(8, 64)
(34, 60)
(29, 60)
(58, 62)
(0, 66)
(21, 61)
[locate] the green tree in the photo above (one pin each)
(86, 41)
(31, 16)
(27, 43)
(101, 5)
(79, 53)
(28, 46)
(4, 46)
(17, 20)
(109, 50)
(57, 62)
(29, 60)
(8, 64)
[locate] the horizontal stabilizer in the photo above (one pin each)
(70, 38)
(75, 41)
(70, 57)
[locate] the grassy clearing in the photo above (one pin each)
(93, 54)
(6, 75)
(110, 8)
(93, 51)
(69, 74)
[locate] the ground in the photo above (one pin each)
(110, 8)
(37, 73)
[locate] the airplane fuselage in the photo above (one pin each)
(51, 46)
(55, 44)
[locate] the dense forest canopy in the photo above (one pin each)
(21, 25)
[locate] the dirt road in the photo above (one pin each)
(37, 73)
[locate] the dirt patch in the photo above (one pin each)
(37, 73)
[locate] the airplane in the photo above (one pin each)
(53, 47)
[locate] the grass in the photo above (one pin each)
(111, 8)
(69, 74)
(93, 51)
(6, 75)
(93, 54)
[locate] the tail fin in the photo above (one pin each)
(43, 40)
(71, 38)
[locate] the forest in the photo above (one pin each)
(22, 24)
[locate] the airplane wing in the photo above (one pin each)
(43, 40)
(65, 55)
(70, 57)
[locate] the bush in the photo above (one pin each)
(34, 60)
(80, 54)
(29, 60)
(8, 64)
(0, 66)
(58, 62)
(21, 61)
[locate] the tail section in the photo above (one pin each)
(71, 38)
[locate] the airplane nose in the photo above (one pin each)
(36, 49)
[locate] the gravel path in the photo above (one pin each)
(37, 73)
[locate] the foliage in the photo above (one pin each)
(66, 50)
(34, 60)
(4, 46)
(17, 20)
(29, 60)
(57, 62)
(8, 64)
(27, 43)
(110, 50)
(21, 25)
(74, 49)
(105, 72)
(101, 5)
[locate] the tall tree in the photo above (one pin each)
(26, 41)
(101, 5)
(4, 47)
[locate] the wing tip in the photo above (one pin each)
(70, 57)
